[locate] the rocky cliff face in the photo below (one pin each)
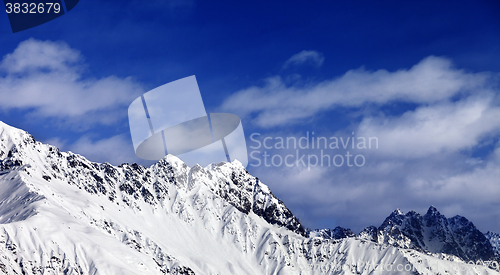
(494, 239)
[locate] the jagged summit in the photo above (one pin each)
(10, 137)
(433, 211)
(433, 233)
(396, 217)
(494, 239)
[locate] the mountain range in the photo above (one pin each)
(63, 214)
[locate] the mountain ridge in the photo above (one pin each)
(456, 235)
(63, 214)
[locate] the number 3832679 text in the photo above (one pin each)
(33, 7)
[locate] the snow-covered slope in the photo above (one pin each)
(62, 214)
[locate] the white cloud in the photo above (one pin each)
(471, 193)
(33, 55)
(55, 141)
(433, 79)
(436, 129)
(313, 58)
(46, 77)
(115, 150)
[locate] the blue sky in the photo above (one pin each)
(422, 78)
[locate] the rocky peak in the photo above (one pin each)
(432, 233)
(432, 211)
(395, 218)
(494, 239)
(13, 140)
(435, 219)
(370, 233)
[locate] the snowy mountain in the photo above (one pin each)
(63, 214)
(433, 233)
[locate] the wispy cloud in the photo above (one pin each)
(55, 141)
(312, 58)
(47, 78)
(436, 129)
(432, 80)
(115, 150)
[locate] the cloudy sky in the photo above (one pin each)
(421, 80)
